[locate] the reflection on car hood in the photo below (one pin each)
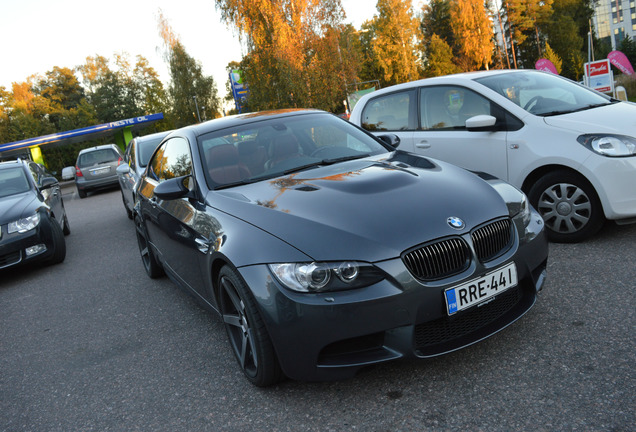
(17, 206)
(369, 209)
(618, 118)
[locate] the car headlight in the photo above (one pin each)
(609, 145)
(330, 276)
(25, 224)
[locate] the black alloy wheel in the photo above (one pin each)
(151, 265)
(246, 331)
(569, 206)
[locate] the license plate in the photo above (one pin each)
(98, 171)
(481, 289)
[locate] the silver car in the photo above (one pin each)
(95, 168)
(136, 158)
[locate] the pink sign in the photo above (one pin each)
(545, 65)
(620, 61)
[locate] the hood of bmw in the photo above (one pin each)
(369, 209)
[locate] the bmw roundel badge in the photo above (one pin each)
(455, 222)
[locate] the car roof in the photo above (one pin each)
(453, 78)
(152, 136)
(12, 163)
(99, 147)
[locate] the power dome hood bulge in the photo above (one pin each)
(618, 118)
(368, 209)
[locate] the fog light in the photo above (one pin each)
(33, 250)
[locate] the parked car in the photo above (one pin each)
(33, 220)
(136, 159)
(95, 168)
(324, 250)
(571, 149)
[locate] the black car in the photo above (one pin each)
(326, 250)
(32, 215)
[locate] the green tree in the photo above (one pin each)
(190, 91)
(554, 58)
(395, 41)
(436, 20)
(567, 32)
(628, 47)
(440, 58)
(191, 94)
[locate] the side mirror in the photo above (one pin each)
(48, 182)
(123, 169)
(390, 139)
(481, 123)
(68, 173)
(172, 189)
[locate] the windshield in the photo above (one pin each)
(97, 157)
(13, 181)
(544, 94)
(275, 147)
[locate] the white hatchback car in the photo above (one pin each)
(572, 150)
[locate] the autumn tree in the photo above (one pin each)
(473, 31)
(526, 21)
(295, 51)
(395, 42)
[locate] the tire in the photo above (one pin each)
(59, 244)
(246, 331)
(151, 265)
(81, 193)
(129, 212)
(569, 206)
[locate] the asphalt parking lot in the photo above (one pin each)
(94, 345)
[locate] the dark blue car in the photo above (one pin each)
(325, 249)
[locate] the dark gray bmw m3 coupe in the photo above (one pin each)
(325, 249)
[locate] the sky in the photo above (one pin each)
(40, 34)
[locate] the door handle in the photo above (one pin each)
(423, 144)
(153, 201)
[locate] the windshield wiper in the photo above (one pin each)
(343, 159)
(584, 108)
(324, 162)
(238, 183)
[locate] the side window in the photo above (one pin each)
(394, 111)
(35, 172)
(448, 107)
(154, 170)
(176, 159)
(130, 154)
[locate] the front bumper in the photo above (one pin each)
(614, 179)
(332, 335)
(13, 246)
